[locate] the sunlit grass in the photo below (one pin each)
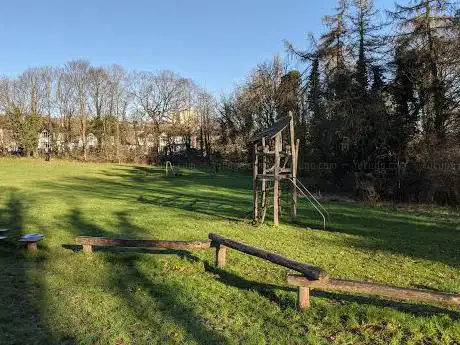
(58, 296)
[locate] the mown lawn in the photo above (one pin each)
(58, 296)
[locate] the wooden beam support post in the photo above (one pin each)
(293, 167)
(303, 297)
(276, 182)
(31, 246)
(87, 248)
(255, 171)
(264, 182)
(221, 255)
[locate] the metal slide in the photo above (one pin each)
(171, 168)
(311, 198)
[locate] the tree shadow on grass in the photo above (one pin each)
(22, 292)
(125, 273)
(421, 236)
(265, 290)
(229, 198)
(168, 298)
(217, 201)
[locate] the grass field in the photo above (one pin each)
(58, 296)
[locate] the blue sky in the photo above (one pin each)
(216, 43)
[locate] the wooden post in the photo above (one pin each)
(221, 255)
(87, 248)
(255, 169)
(293, 167)
(276, 181)
(32, 246)
(264, 182)
(303, 297)
(296, 167)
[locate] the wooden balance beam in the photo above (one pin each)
(304, 285)
(310, 271)
(88, 243)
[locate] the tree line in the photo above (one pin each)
(377, 108)
(119, 107)
(376, 104)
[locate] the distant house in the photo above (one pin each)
(91, 140)
(44, 140)
(176, 143)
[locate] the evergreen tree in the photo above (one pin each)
(424, 28)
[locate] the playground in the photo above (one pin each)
(135, 295)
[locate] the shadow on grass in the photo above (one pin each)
(263, 289)
(22, 319)
(229, 197)
(419, 236)
(125, 274)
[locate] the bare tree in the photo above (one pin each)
(78, 71)
(118, 101)
(207, 109)
(159, 96)
(98, 92)
(66, 99)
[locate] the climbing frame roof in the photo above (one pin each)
(271, 132)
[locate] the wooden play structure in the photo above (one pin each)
(310, 277)
(275, 161)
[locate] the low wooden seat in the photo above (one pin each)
(88, 242)
(31, 240)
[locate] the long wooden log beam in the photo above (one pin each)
(272, 154)
(120, 242)
(308, 270)
(368, 288)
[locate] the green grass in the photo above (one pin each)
(58, 296)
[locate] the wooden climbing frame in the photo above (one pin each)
(282, 153)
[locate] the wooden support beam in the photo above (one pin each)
(255, 171)
(276, 182)
(295, 167)
(120, 242)
(221, 255)
(272, 153)
(368, 288)
(310, 271)
(271, 177)
(294, 164)
(264, 183)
